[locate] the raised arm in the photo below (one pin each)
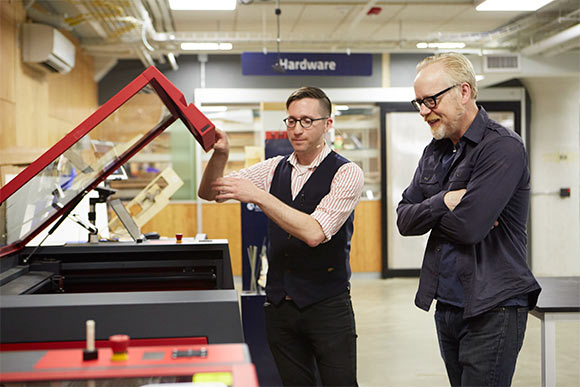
(215, 167)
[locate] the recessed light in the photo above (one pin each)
(202, 5)
(512, 5)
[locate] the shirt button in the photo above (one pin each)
(438, 249)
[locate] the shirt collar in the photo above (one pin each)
(477, 128)
(474, 133)
(315, 163)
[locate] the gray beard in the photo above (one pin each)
(439, 133)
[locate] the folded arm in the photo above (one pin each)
(416, 213)
(496, 175)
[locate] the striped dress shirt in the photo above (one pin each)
(335, 207)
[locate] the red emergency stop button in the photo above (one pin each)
(120, 347)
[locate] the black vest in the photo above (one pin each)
(307, 274)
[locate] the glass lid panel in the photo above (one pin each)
(88, 161)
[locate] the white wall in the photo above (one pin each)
(554, 163)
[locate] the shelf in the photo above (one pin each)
(236, 128)
(358, 154)
(234, 156)
(152, 158)
(356, 125)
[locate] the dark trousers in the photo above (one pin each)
(320, 336)
(480, 351)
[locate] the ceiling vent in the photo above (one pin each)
(502, 63)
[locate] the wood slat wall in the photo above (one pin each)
(36, 108)
(223, 221)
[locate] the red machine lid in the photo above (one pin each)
(58, 179)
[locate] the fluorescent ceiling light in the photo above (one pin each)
(512, 5)
(479, 77)
(202, 5)
(340, 107)
(206, 46)
(441, 45)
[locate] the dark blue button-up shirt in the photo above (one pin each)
(492, 166)
(449, 288)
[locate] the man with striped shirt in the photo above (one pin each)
(309, 198)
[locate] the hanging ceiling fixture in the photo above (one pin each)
(277, 66)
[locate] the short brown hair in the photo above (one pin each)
(458, 68)
(311, 92)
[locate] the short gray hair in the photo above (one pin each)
(457, 67)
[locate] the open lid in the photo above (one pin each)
(57, 180)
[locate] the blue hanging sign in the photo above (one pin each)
(293, 63)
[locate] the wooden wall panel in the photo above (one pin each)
(220, 221)
(9, 16)
(174, 218)
(37, 108)
(32, 110)
(7, 124)
(76, 104)
(225, 221)
(365, 246)
(53, 129)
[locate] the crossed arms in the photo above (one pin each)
(466, 215)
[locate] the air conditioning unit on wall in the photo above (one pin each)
(45, 46)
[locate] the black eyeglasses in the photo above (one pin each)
(305, 122)
(431, 101)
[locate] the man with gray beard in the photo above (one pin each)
(471, 191)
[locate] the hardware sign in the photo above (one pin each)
(293, 63)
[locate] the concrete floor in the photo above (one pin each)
(397, 344)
